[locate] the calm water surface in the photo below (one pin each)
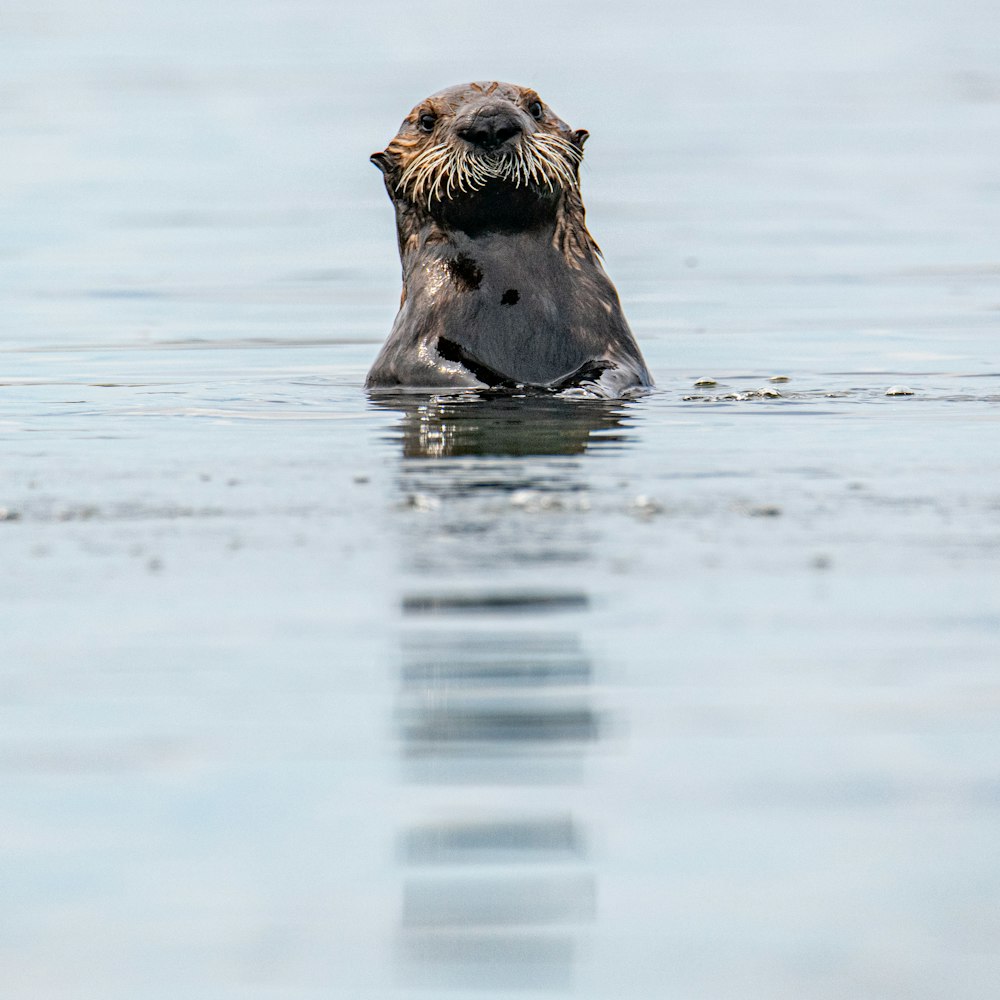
(309, 694)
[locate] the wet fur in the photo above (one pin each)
(502, 284)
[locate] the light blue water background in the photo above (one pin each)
(303, 695)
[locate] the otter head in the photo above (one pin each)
(483, 156)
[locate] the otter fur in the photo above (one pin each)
(503, 285)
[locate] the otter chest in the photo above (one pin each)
(518, 307)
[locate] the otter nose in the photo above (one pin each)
(491, 128)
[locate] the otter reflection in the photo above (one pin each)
(445, 426)
(498, 889)
(478, 467)
(496, 697)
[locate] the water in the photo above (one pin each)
(308, 694)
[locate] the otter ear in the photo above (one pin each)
(383, 161)
(581, 135)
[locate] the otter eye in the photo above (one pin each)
(535, 110)
(427, 122)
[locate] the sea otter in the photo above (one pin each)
(503, 286)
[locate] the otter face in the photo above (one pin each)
(476, 138)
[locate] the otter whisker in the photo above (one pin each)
(531, 156)
(446, 169)
(419, 172)
(545, 167)
(435, 191)
(526, 165)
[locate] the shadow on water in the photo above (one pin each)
(495, 694)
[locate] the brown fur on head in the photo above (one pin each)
(455, 142)
(483, 155)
